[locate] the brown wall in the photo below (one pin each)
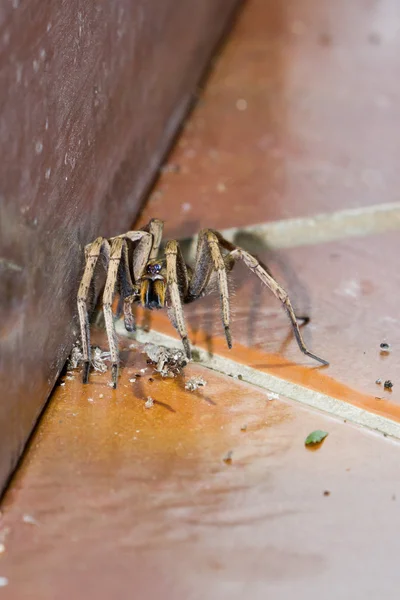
(91, 94)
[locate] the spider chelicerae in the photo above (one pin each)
(141, 275)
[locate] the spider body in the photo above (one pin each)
(141, 275)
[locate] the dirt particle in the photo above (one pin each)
(388, 385)
(228, 457)
(327, 493)
(149, 402)
(194, 383)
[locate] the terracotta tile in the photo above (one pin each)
(296, 119)
(114, 499)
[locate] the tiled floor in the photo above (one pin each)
(114, 499)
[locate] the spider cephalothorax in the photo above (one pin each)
(142, 276)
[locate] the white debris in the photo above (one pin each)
(98, 360)
(3, 581)
(90, 400)
(75, 357)
(143, 370)
(101, 395)
(194, 383)
(132, 380)
(149, 402)
(2, 548)
(272, 396)
(170, 361)
(29, 519)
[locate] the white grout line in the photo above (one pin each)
(271, 383)
(322, 228)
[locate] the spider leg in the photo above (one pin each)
(208, 258)
(129, 292)
(115, 259)
(155, 227)
(92, 253)
(253, 264)
(141, 252)
(177, 286)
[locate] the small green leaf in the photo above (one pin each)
(315, 437)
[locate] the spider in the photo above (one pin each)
(156, 281)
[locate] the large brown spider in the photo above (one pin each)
(133, 265)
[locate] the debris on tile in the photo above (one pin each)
(315, 437)
(75, 357)
(388, 384)
(378, 381)
(186, 207)
(228, 457)
(169, 361)
(29, 520)
(132, 380)
(378, 397)
(132, 346)
(327, 493)
(101, 395)
(151, 379)
(143, 370)
(70, 377)
(98, 359)
(385, 347)
(62, 383)
(194, 383)
(3, 581)
(149, 402)
(244, 427)
(272, 396)
(90, 400)
(240, 377)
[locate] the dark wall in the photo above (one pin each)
(91, 94)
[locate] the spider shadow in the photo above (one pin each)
(139, 391)
(287, 276)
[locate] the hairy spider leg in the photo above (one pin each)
(254, 265)
(177, 286)
(209, 258)
(92, 253)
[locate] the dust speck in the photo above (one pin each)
(241, 104)
(228, 457)
(149, 402)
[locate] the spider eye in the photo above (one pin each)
(153, 269)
